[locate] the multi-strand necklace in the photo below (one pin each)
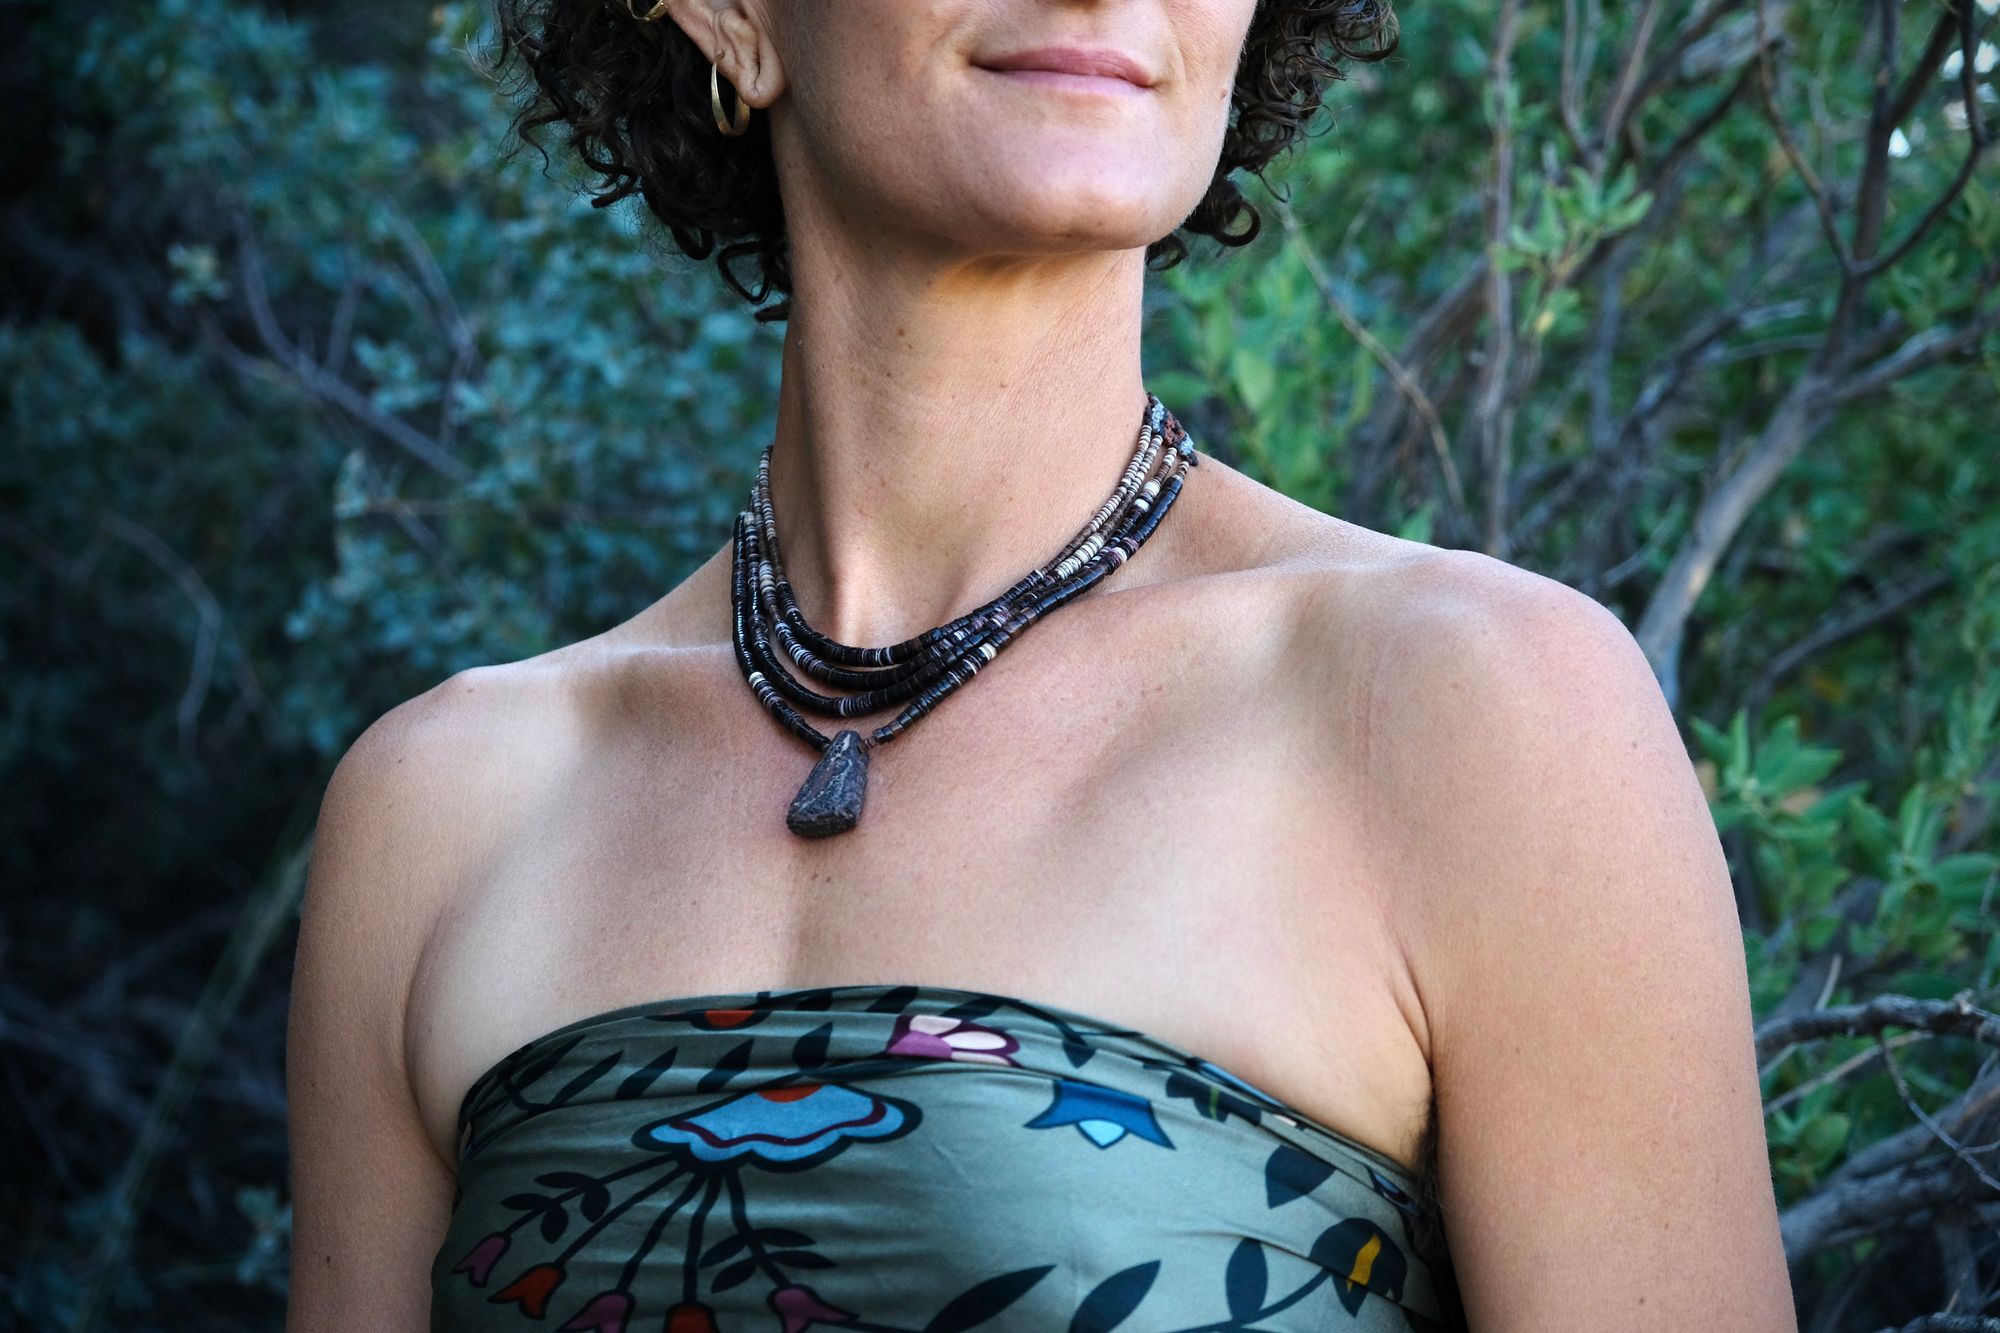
(927, 668)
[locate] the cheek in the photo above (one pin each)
(1210, 35)
(839, 143)
(1206, 124)
(868, 96)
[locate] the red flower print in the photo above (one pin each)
(608, 1313)
(532, 1289)
(800, 1309)
(687, 1317)
(478, 1262)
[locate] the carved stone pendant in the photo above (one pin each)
(830, 800)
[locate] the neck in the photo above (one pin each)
(941, 433)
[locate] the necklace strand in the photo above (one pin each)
(927, 668)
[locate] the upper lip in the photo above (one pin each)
(1076, 60)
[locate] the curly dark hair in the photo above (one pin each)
(632, 99)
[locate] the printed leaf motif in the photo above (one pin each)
(1365, 1259)
(1246, 1279)
(770, 1238)
(977, 1304)
(737, 1273)
(1113, 1300)
(893, 1001)
(724, 1248)
(588, 1077)
(592, 1197)
(535, 1066)
(1290, 1174)
(733, 1062)
(639, 1081)
(809, 1051)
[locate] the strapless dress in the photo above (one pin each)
(912, 1159)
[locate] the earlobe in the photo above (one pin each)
(756, 60)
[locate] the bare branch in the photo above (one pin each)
(1398, 372)
(1492, 420)
(1839, 629)
(1958, 1149)
(338, 392)
(1767, 86)
(210, 628)
(1949, 1323)
(1834, 1213)
(1793, 423)
(1625, 98)
(1977, 143)
(1957, 1017)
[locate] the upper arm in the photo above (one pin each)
(1601, 1152)
(371, 1198)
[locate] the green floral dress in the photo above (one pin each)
(910, 1159)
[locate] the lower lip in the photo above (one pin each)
(1103, 85)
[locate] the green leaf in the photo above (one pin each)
(1255, 378)
(1966, 878)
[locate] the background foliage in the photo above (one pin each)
(309, 400)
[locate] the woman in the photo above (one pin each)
(1301, 928)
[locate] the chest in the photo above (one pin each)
(1133, 817)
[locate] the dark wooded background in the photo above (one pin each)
(309, 400)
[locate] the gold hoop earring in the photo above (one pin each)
(650, 14)
(741, 121)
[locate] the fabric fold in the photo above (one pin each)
(911, 1157)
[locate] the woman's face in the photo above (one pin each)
(901, 118)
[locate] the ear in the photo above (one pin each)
(735, 35)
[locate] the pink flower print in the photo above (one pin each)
(608, 1313)
(936, 1037)
(478, 1262)
(800, 1308)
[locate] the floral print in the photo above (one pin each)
(910, 1159)
(797, 1125)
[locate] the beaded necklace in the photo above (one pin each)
(937, 661)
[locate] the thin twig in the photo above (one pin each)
(1958, 1149)
(1398, 372)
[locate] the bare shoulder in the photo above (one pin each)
(414, 809)
(1427, 660)
(427, 787)
(1500, 705)
(1566, 915)
(434, 784)
(1470, 651)
(1522, 768)
(406, 812)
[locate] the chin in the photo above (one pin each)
(1097, 208)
